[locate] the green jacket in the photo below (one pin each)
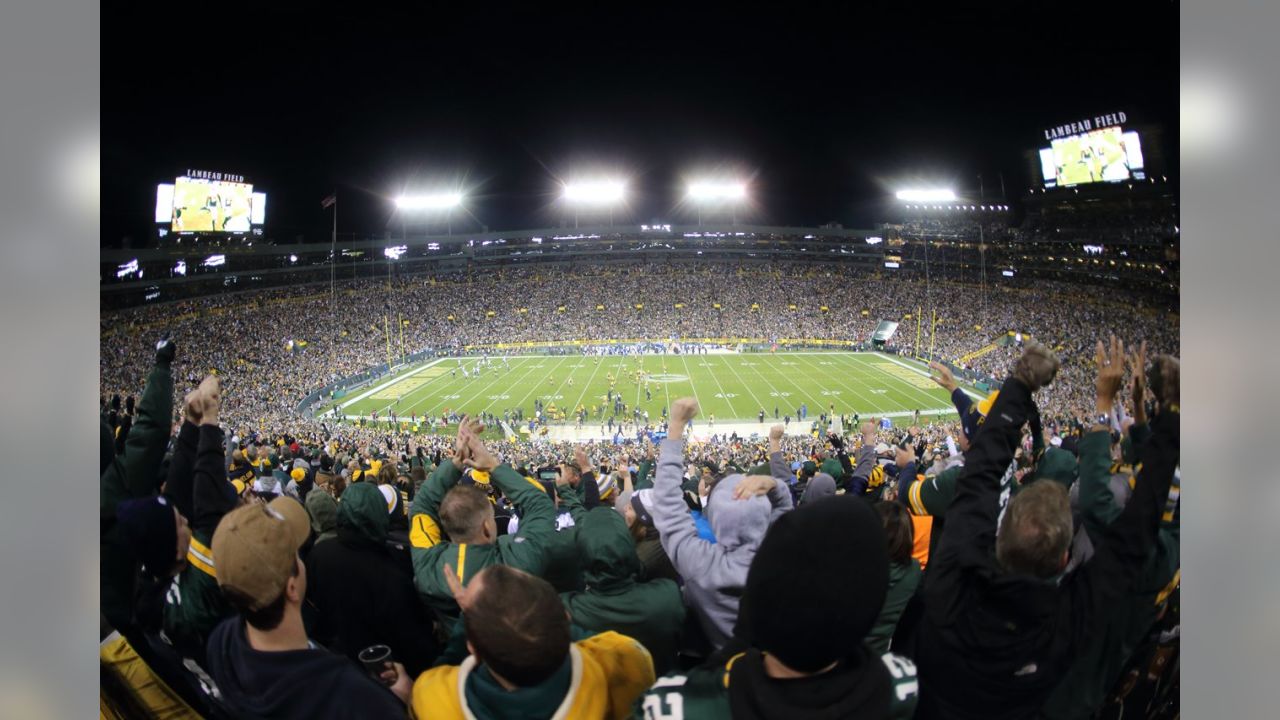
(1122, 626)
(644, 476)
(563, 566)
(704, 692)
(904, 578)
(133, 476)
(615, 599)
(194, 604)
(431, 550)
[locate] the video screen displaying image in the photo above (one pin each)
(1106, 155)
(201, 205)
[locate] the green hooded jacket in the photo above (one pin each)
(324, 514)
(363, 510)
(133, 476)
(651, 612)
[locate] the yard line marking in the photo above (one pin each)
(744, 383)
(872, 407)
(917, 392)
(534, 386)
(733, 411)
(587, 386)
(688, 374)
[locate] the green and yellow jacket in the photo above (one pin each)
(431, 550)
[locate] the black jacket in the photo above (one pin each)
(991, 644)
(364, 596)
(310, 684)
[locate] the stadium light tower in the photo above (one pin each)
(435, 202)
(709, 193)
(598, 193)
(927, 195)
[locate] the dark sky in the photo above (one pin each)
(828, 111)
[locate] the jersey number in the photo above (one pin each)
(653, 707)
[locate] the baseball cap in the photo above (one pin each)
(255, 548)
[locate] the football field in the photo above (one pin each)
(731, 388)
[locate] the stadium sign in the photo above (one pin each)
(211, 175)
(1084, 125)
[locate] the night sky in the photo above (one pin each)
(826, 112)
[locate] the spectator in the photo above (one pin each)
(616, 598)
(195, 605)
(470, 535)
(262, 661)
(809, 602)
(714, 573)
(654, 562)
(998, 631)
(323, 508)
(904, 573)
(522, 662)
(363, 594)
(143, 535)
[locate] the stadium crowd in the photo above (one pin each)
(999, 565)
(273, 348)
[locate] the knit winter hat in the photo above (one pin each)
(817, 583)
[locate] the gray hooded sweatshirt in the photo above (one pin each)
(714, 573)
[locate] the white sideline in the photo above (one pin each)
(896, 361)
(395, 379)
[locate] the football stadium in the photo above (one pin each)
(643, 414)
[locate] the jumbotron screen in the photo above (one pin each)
(201, 205)
(1105, 155)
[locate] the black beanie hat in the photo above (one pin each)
(149, 526)
(817, 583)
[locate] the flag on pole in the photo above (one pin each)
(327, 202)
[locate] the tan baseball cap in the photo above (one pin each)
(255, 548)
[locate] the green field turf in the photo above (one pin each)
(732, 388)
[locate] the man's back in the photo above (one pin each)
(305, 684)
(364, 598)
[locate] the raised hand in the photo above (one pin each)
(1037, 367)
(684, 410)
(479, 456)
(1110, 373)
(1138, 364)
(752, 486)
(868, 430)
(942, 375)
(581, 459)
(775, 432)
(166, 349)
(460, 593)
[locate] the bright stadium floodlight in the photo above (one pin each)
(438, 201)
(598, 193)
(927, 195)
(717, 193)
(602, 192)
(704, 191)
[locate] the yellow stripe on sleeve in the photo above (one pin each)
(424, 532)
(462, 559)
(913, 498)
